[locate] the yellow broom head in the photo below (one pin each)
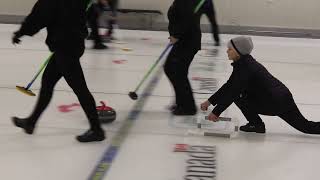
(126, 49)
(25, 91)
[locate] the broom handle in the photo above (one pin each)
(199, 6)
(154, 65)
(42, 67)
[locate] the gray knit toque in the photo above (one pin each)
(242, 44)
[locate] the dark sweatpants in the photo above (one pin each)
(93, 18)
(292, 115)
(208, 10)
(111, 22)
(67, 66)
(176, 68)
(113, 7)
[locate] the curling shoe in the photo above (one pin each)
(91, 136)
(24, 124)
(258, 128)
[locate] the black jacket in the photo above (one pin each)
(113, 6)
(98, 7)
(251, 79)
(184, 24)
(65, 21)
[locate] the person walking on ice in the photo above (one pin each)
(185, 35)
(65, 22)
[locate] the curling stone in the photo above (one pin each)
(106, 114)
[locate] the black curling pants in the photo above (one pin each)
(209, 11)
(290, 113)
(66, 66)
(93, 18)
(176, 68)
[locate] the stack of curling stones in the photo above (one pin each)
(106, 114)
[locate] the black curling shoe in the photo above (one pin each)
(258, 128)
(91, 136)
(24, 124)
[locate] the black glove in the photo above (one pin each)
(16, 38)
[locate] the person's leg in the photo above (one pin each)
(93, 17)
(50, 77)
(210, 13)
(72, 72)
(255, 122)
(295, 119)
(114, 7)
(111, 22)
(170, 73)
(185, 93)
(176, 68)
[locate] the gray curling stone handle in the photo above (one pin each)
(221, 119)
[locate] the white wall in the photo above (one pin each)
(260, 13)
(15, 7)
(271, 13)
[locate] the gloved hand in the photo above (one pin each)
(16, 38)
